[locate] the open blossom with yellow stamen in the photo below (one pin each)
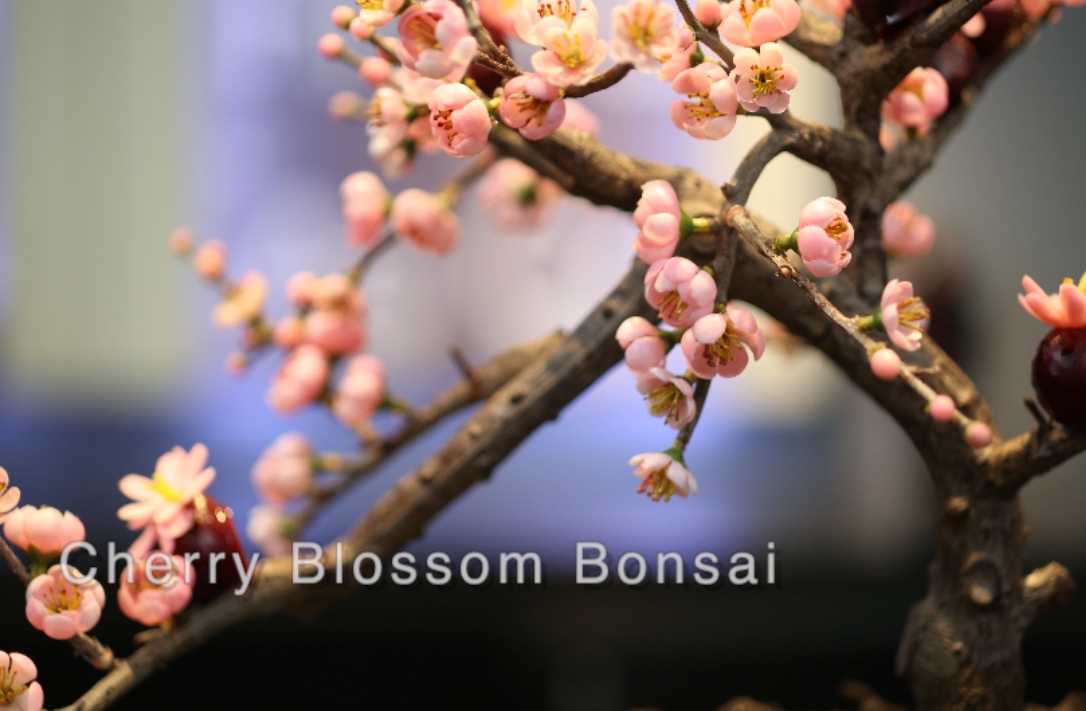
(60, 609)
(750, 23)
(918, 100)
(435, 40)
(535, 15)
(763, 80)
(570, 54)
(680, 290)
(642, 34)
(663, 475)
(668, 396)
(714, 345)
(711, 103)
(376, 13)
(904, 316)
(18, 690)
(1065, 309)
(9, 496)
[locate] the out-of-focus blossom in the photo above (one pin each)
(244, 303)
(886, 363)
(663, 476)
(375, 71)
(499, 15)
(515, 195)
(942, 408)
(532, 105)
(335, 322)
(714, 344)
(668, 396)
(659, 220)
(18, 689)
(978, 434)
(162, 503)
(289, 333)
(643, 346)
(682, 291)
(750, 23)
(459, 120)
(708, 112)
(763, 80)
(151, 603)
(833, 8)
(824, 237)
(43, 531)
(267, 528)
(9, 495)
(331, 46)
(641, 33)
(365, 205)
(378, 13)
(300, 380)
(905, 232)
(342, 16)
(209, 262)
(918, 100)
(709, 13)
(60, 609)
(435, 40)
(300, 288)
(678, 61)
(360, 392)
(1064, 309)
(182, 241)
(425, 220)
(284, 470)
(346, 106)
(539, 14)
(975, 27)
(904, 316)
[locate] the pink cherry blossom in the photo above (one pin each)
(151, 603)
(378, 13)
(918, 100)
(532, 105)
(209, 262)
(975, 27)
(459, 120)
(642, 343)
(60, 609)
(435, 40)
(499, 15)
(266, 529)
(45, 530)
(663, 476)
(709, 110)
(346, 106)
(360, 30)
(659, 219)
(682, 291)
(762, 79)
(714, 344)
(300, 288)
(978, 434)
(342, 16)
(360, 392)
(1065, 309)
(387, 113)
(679, 60)
(162, 503)
(824, 236)
(18, 690)
(750, 23)
(365, 205)
(425, 220)
(375, 71)
(905, 232)
(331, 46)
(886, 364)
(181, 241)
(904, 316)
(668, 396)
(535, 14)
(335, 321)
(285, 469)
(571, 53)
(642, 33)
(9, 496)
(289, 333)
(942, 408)
(515, 195)
(708, 13)
(300, 380)
(244, 303)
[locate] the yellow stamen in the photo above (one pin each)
(8, 690)
(160, 486)
(657, 485)
(573, 53)
(747, 9)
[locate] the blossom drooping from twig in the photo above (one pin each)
(659, 219)
(43, 532)
(663, 475)
(711, 102)
(905, 232)
(642, 344)
(9, 495)
(266, 528)
(515, 195)
(360, 392)
(714, 344)
(335, 322)
(824, 237)
(532, 105)
(60, 609)
(918, 100)
(18, 690)
(425, 220)
(300, 380)
(459, 120)
(1065, 309)
(435, 40)
(763, 80)
(244, 303)
(152, 602)
(682, 291)
(904, 316)
(162, 504)
(284, 470)
(750, 23)
(668, 396)
(365, 203)
(378, 13)
(642, 34)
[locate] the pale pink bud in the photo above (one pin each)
(360, 392)
(763, 80)
(300, 288)
(365, 205)
(975, 27)
(532, 105)
(375, 71)
(209, 261)
(342, 16)
(680, 290)
(284, 470)
(824, 236)
(17, 682)
(181, 241)
(886, 364)
(377, 13)
(149, 602)
(459, 120)
(942, 408)
(714, 345)
(750, 23)
(9, 496)
(662, 476)
(60, 609)
(978, 435)
(642, 34)
(300, 380)
(244, 303)
(668, 396)
(633, 328)
(425, 220)
(918, 100)
(289, 333)
(44, 529)
(266, 529)
(904, 316)
(346, 106)
(708, 12)
(331, 46)
(360, 30)
(515, 195)
(709, 110)
(658, 218)
(642, 343)
(435, 40)
(906, 233)
(1065, 309)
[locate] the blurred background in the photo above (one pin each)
(122, 119)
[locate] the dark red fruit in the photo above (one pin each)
(997, 25)
(213, 532)
(1059, 375)
(957, 62)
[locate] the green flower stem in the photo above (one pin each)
(871, 323)
(787, 242)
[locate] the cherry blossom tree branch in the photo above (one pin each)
(603, 80)
(14, 563)
(820, 40)
(492, 56)
(707, 37)
(1012, 464)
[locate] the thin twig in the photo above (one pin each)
(603, 80)
(706, 36)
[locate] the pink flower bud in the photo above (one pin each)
(709, 13)
(360, 30)
(209, 261)
(824, 236)
(9, 496)
(978, 435)
(300, 380)
(360, 392)
(906, 233)
(284, 470)
(365, 205)
(345, 106)
(18, 683)
(375, 71)
(289, 333)
(658, 217)
(265, 529)
(642, 343)
(331, 46)
(155, 588)
(300, 288)
(918, 100)
(942, 408)
(45, 529)
(886, 364)
(342, 16)
(181, 241)
(60, 609)
(515, 195)
(425, 220)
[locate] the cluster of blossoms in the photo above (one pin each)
(283, 474)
